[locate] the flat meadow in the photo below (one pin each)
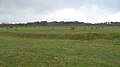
(60, 46)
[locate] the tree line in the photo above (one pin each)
(57, 23)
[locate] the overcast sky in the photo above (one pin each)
(59, 10)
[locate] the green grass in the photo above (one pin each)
(40, 47)
(63, 29)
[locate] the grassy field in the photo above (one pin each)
(59, 46)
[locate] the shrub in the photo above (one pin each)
(10, 26)
(73, 28)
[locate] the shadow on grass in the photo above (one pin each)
(81, 36)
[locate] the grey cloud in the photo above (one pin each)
(41, 6)
(109, 4)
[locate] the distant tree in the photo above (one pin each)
(43, 22)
